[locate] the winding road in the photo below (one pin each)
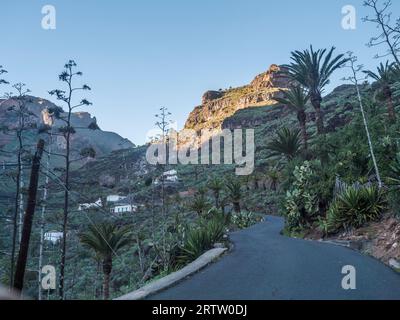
(265, 265)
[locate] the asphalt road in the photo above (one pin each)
(266, 265)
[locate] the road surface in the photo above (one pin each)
(266, 265)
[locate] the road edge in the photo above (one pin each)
(161, 284)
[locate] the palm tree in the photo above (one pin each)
(296, 98)
(287, 144)
(216, 185)
(105, 239)
(384, 77)
(312, 69)
(234, 193)
(199, 204)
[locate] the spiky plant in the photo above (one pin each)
(384, 77)
(235, 194)
(216, 185)
(106, 239)
(312, 69)
(287, 143)
(296, 98)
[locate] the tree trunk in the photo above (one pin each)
(16, 210)
(216, 195)
(28, 219)
(66, 206)
(236, 206)
(107, 268)
(319, 118)
(302, 117)
(388, 95)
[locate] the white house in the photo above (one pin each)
(121, 208)
(53, 236)
(115, 198)
(86, 206)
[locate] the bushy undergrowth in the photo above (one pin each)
(355, 207)
(200, 238)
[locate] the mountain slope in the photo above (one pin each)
(101, 141)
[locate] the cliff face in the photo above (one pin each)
(218, 105)
(102, 142)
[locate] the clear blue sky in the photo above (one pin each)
(138, 55)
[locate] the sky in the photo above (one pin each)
(139, 55)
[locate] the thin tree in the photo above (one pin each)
(67, 76)
(43, 208)
(384, 79)
(28, 219)
(312, 69)
(163, 123)
(389, 30)
(355, 69)
(296, 98)
(106, 239)
(24, 123)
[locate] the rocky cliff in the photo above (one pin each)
(101, 141)
(218, 105)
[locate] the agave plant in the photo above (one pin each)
(356, 206)
(287, 144)
(200, 239)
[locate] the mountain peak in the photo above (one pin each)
(218, 105)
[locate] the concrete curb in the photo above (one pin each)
(171, 279)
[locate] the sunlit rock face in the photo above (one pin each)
(218, 105)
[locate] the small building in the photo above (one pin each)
(53, 236)
(115, 198)
(123, 208)
(169, 177)
(86, 206)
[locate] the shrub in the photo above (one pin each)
(243, 220)
(301, 204)
(200, 239)
(356, 206)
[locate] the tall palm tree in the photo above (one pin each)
(296, 98)
(312, 69)
(234, 193)
(287, 143)
(384, 77)
(105, 239)
(216, 185)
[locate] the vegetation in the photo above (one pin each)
(296, 98)
(335, 182)
(106, 240)
(312, 69)
(355, 207)
(287, 144)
